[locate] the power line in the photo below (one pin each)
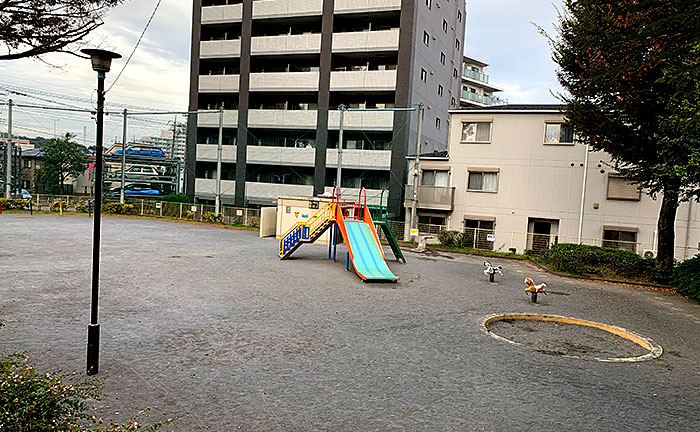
(135, 46)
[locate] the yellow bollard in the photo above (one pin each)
(60, 207)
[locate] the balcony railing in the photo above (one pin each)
(431, 197)
(483, 99)
(468, 73)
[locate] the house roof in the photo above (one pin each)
(557, 108)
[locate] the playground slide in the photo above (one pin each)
(367, 257)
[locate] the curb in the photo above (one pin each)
(655, 350)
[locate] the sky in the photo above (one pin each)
(500, 32)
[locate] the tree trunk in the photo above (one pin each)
(666, 228)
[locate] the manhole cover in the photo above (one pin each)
(571, 337)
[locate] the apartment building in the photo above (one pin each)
(514, 178)
(172, 140)
(277, 66)
(476, 90)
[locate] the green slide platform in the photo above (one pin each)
(367, 258)
(391, 240)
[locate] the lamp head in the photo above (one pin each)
(101, 59)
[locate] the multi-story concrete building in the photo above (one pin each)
(176, 135)
(276, 66)
(476, 90)
(515, 178)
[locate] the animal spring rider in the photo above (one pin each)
(534, 289)
(491, 271)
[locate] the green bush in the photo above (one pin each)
(118, 208)
(33, 401)
(597, 261)
(686, 277)
(212, 217)
(180, 198)
(83, 206)
(450, 238)
(14, 204)
(56, 206)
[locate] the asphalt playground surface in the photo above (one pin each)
(208, 325)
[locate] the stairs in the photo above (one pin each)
(307, 232)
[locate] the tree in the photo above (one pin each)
(61, 158)
(630, 68)
(35, 27)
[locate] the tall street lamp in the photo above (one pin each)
(101, 62)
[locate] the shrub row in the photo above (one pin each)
(597, 261)
(14, 204)
(212, 217)
(456, 238)
(686, 277)
(118, 208)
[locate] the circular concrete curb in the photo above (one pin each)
(655, 349)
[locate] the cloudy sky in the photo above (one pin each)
(498, 31)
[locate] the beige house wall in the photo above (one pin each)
(538, 180)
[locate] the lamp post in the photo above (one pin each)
(101, 62)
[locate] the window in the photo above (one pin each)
(620, 238)
(434, 178)
(476, 132)
(558, 133)
(437, 122)
(483, 181)
(459, 15)
(444, 26)
(442, 57)
(426, 38)
(423, 75)
(430, 220)
(453, 102)
(457, 43)
(440, 89)
(27, 163)
(621, 189)
(455, 73)
(429, 3)
(477, 233)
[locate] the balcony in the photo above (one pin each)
(222, 14)
(288, 156)
(218, 83)
(286, 44)
(207, 153)
(286, 8)
(477, 76)
(211, 119)
(483, 100)
(269, 192)
(360, 6)
(207, 187)
(431, 197)
(369, 41)
(220, 49)
(374, 196)
(360, 159)
(282, 119)
(362, 120)
(375, 80)
(284, 81)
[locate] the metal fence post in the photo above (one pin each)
(180, 217)
(141, 207)
(161, 209)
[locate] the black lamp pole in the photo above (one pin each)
(101, 62)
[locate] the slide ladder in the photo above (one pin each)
(391, 240)
(308, 231)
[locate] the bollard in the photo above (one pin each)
(533, 289)
(31, 212)
(491, 271)
(89, 208)
(0, 208)
(60, 207)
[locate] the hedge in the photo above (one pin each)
(14, 204)
(597, 261)
(686, 277)
(118, 208)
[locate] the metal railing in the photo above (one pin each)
(482, 99)
(478, 76)
(431, 197)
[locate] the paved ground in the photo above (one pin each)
(209, 325)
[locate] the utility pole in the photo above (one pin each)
(217, 202)
(416, 165)
(172, 155)
(8, 153)
(121, 190)
(583, 195)
(172, 148)
(339, 168)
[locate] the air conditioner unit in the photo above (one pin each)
(649, 253)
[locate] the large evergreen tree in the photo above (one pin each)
(61, 158)
(631, 69)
